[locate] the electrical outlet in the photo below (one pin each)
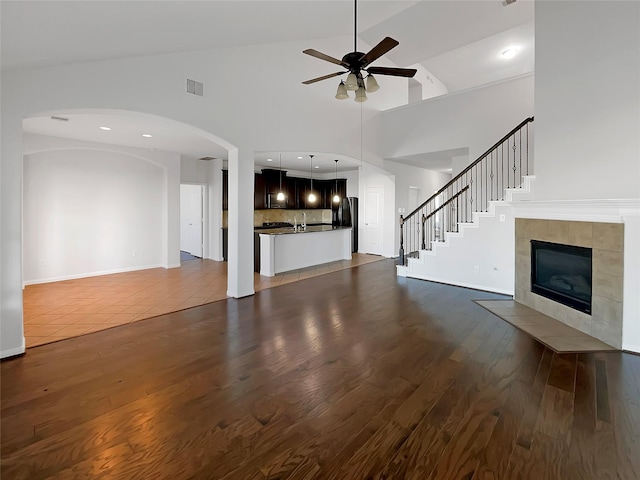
(135, 253)
(43, 262)
(503, 218)
(476, 269)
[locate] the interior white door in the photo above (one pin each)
(191, 198)
(373, 209)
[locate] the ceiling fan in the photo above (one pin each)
(357, 62)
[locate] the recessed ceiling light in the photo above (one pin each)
(105, 128)
(510, 52)
(316, 166)
(147, 135)
(299, 158)
(269, 159)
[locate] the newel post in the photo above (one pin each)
(401, 252)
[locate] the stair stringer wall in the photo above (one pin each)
(480, 256)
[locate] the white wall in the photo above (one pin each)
(194, 171)
(475, 118)
(407, 176)
(482, 257)
(587, 143)
(91, 209)
(353, 182)
(587, 99)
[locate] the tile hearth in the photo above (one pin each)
(552, 333)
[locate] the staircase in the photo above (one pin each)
(464, 234)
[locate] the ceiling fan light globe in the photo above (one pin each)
(341, 93)
(372, 84)
(352, 82)
(361, 95)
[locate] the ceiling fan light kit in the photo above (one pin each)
(341, 93)
(372, 84)
(357, 62)
(352, 82)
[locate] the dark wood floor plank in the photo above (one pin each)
(356, 374)
(602, 393)
(562, 374)
(525, 434)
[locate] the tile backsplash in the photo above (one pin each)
(285, 215)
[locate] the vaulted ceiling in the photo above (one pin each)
(457, 44)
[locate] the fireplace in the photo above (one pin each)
(606, 241)
(562, 273)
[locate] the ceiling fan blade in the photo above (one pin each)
(314, 80)
(396, 72)
(376, 52)
(322, 56)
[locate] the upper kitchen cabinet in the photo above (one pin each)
(295, 189)
(274, 181)
(259, 193)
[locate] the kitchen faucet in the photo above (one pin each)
(304, 220)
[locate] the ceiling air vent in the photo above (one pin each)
(195, 88)
(59, 119)
(507, 2)
(207, 158)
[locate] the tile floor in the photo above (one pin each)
(553, 333)
(59, 310)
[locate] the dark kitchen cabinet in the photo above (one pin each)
(290, 191)
(259, 193)
(274, 181)
(330, 191)
(225, 190)
(296, 190)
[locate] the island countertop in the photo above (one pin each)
(309, 229)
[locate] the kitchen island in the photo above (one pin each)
(284, 249)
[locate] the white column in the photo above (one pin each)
(240, 223)
(171, 221)
(11, 327)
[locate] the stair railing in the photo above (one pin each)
(502, 166)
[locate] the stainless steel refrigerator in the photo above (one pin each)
(346, 215)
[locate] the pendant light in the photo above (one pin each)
(312, 196)
(336, 197)
(280, 196)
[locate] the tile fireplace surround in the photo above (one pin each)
(607, 243)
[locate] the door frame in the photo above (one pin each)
(205, 216)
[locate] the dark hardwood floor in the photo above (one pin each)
(355, 374)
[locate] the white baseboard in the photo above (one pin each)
(483, 288)
(89, 274)
(12, 352)
(630, 348)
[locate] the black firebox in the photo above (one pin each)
(562, 273)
